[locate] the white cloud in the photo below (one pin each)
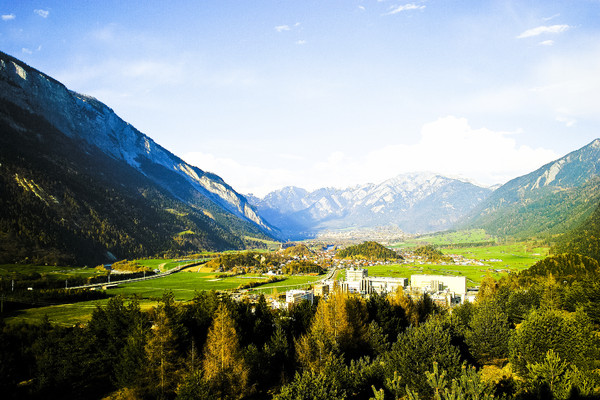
(25, 50)
(282, 28)
(301, 42)
(8, 17)
(551, 17)
(542, 30)
(569, 122)
(547, 43)
(405, 7)
(448, 146)
(362, 8)
(42, 13)
(452, 147)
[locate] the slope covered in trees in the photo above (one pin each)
(431, 254)
(584, 239)
(565, 266)
(369, 251)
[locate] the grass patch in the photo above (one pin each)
(65, 314)
(52, 272)
(447, 239)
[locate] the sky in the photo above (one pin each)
(330, 93)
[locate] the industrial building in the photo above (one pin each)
(359, 281)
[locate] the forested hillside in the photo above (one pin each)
(549, 201)
(584, 239)
(369, 251)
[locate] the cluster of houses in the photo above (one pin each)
(444, 290)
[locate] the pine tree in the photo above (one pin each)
(489, 332)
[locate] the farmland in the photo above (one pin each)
(183, 285)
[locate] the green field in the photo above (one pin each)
(184, 285)
(498, 260)
(49, 271)
(447, 239)
(292, 282)
(65, 314)
(517, 256)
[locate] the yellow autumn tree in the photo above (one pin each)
(338, 327)
(400, 298)
(160, 351)
(223, 367)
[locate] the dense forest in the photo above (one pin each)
(528, 336)
(368, 251)
(430, 254)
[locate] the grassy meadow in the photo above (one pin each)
(184, 285)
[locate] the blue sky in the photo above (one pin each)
(330, 93)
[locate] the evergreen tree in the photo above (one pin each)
(417, 349)
(570, 335)
(489, 332)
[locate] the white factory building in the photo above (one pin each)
(359, 281)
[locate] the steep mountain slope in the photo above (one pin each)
(550, 200)
(418, 202)
(81, 185)
(584, 239)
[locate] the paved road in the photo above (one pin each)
(156, 276)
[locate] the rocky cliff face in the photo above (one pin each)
(83, 117)
(418, 202)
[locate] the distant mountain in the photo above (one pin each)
(417, 202)
(549, 201)
(79, 184)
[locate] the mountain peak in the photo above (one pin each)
(414, 202)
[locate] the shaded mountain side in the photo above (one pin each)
(584, 239)
(64, 201)
(85, 118)
(81, 186)
(547, 202)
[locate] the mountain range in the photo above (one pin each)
(78, 185)
(81, 185)
(414, 203)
